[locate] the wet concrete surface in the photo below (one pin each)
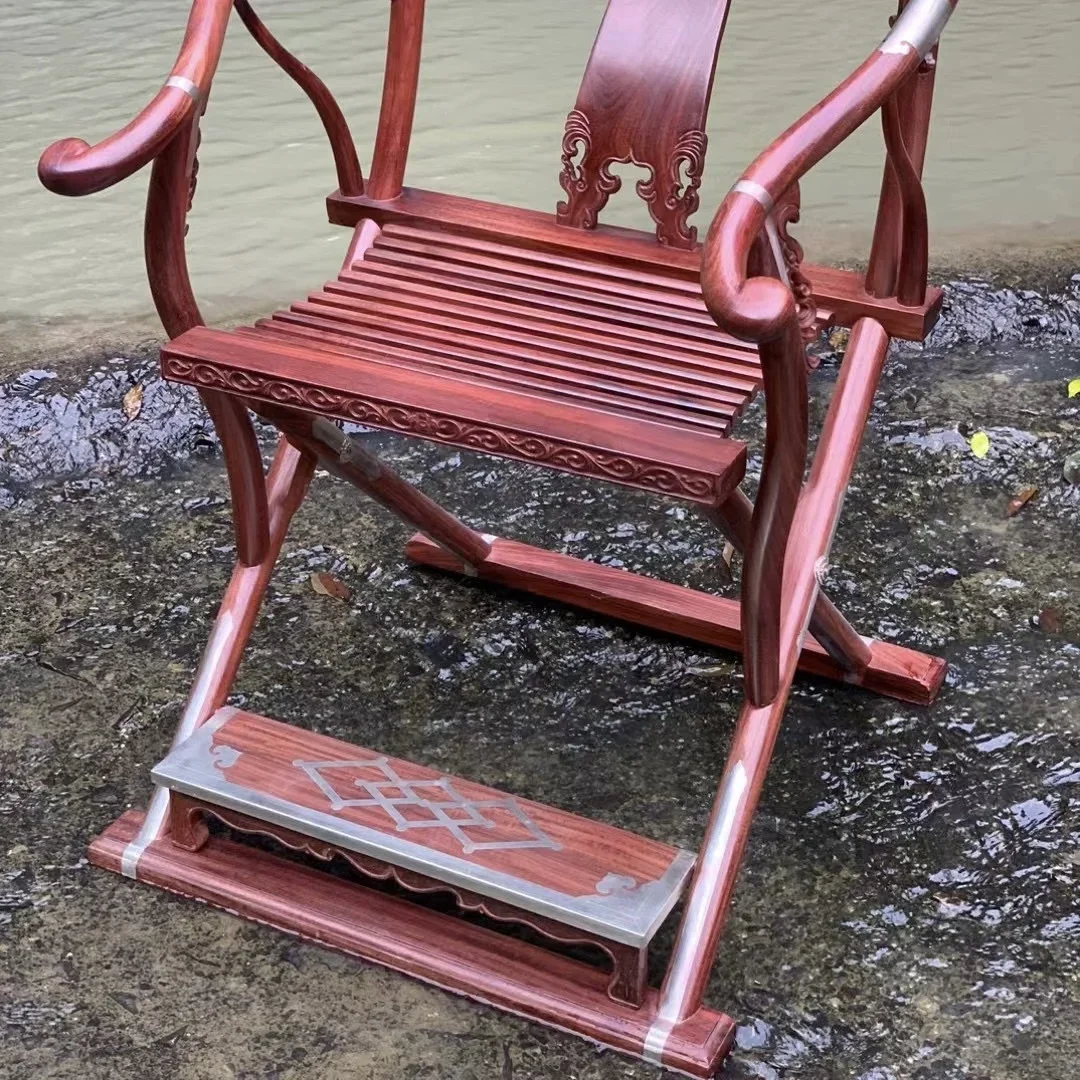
(909, 905)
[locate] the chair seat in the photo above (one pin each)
(560, 359)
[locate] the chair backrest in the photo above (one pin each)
(643, 100)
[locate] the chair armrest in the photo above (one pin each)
(73, 167)
(759, 308)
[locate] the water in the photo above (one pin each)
(497, 81)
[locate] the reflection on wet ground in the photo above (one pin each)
(908, 909)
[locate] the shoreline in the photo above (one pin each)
(61, 393)
(68, 342)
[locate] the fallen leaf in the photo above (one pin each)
(328, 585)
(838, 338)
(1019, 501)
(1074, 387)
(980, 444)
(1050, 621)
(727, 555)
(132, 403)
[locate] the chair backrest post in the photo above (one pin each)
(398, 99)
(890, 255)
(644, 99)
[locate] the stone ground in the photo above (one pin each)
(908, 908)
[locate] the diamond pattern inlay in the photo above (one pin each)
(426, 804)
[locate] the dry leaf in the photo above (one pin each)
(132, 403)
(1050, 621)
(980, 444)
(727, 555)
(1019, 501)
(1074, 387)
(328, 585)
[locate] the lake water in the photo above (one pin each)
(1003, 173)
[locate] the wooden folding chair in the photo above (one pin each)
(600, 351)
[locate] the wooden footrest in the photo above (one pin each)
(569, 878)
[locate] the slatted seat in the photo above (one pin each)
(547, 357)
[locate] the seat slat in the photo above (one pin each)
(676, 278)
(518, 345)
(469, 361)
(432, 265)
(722, 355)
(632, 318)
(453, 260)
(632, 326)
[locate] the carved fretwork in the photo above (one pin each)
(787, 214)
(643, 102)
(193, 173)
(589, 182)
(670, 201)
(187, 821)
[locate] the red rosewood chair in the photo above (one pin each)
(549, 338)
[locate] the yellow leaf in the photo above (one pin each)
(980, 444)
(1074, 387)
(838, 339)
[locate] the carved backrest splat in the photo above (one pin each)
(643, 100)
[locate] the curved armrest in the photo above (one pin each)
(72, 167)
(759, 308)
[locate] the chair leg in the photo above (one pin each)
(717, 869)
(286, 486)
(344, 457)
(829, 627)
(725, 836)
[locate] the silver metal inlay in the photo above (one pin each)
(225, 757)
(699, 902)
(467, 568)
(151, 826)
(630, 916)
(610, 884)
(756, 192)
(154, 818)
(655, 1041)
(917, 27)
(179, 82)
(425, 804)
